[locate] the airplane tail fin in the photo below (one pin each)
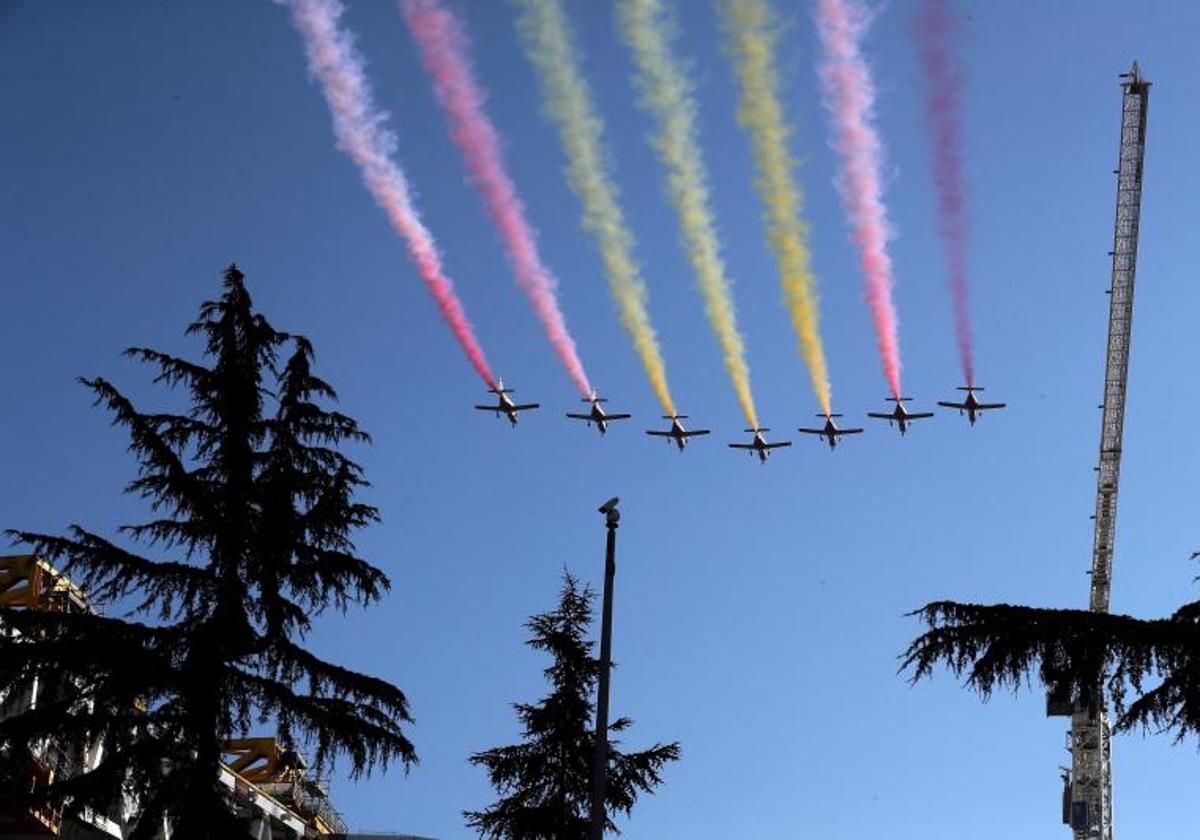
(759, 429)
(898, 399)
(969, 388)
(674, 417)
(827, 415)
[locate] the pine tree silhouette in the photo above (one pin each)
(545, 781)
(254, 505)
(1071, 653)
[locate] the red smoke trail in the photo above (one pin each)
(359, 127)
(444, 52)
(937, 32)
(850, 97)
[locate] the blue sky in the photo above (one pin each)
(759, 612)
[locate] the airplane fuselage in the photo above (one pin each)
(595, 415)
(900, 417)
(677, 434)
(760, 448)
(508, 407)
(972, 405)
(830, 434)
(598, 418)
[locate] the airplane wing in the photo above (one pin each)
(658, 434)
(579, 416)
(693, 433)
(920, 416)
(812, 431)
(983, 406)
(884, 416)
(777, 445)
(526, 406)
(617, 416)
(740, 446)
(849, 431)
(488, 407)
(959, 406)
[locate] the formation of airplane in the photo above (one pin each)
(830, 430)
(504, 404)
(899, 415)
(677, 433)
(971, 405)
(758, 444)
(597, 414)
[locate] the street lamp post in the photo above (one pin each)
(612, 518)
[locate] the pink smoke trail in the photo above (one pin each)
(937, 31)
(850, 97)
(444, 52)
(359, 127)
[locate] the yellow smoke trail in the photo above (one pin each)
(667, 94)
(751, 37)
(568, 103)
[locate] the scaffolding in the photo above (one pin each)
(29, 582)
(284, 776)
(271, 786)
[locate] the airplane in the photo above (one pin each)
(830, 431)
(677, 432)
(758, 445)
(597, 415)
(971, 405)
(504, 404)
(898, 415)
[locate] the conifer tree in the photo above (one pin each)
(1071, 653)
(253, 505)
(545, 781)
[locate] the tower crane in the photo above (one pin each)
(1087, 798)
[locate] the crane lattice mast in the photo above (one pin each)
(1089, 810)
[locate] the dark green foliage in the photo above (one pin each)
(252, 497)
(545, 781)
(1004, 646)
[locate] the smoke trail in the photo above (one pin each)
(937, 32)
(444, 52)
(751, 42)
(667, 95)
(359, 127)
(850, 97)
(568, 104)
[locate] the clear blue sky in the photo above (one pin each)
(759, 612)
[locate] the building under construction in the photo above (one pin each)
(273, 789)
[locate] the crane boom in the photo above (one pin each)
(1090, 783)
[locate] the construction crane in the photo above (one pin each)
(1087, 797)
